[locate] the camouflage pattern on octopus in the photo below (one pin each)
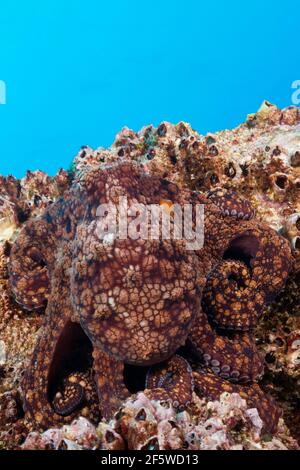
(138, 301)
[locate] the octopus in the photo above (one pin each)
(186, 315)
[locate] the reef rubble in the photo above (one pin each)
(260, 161)
(144, 424)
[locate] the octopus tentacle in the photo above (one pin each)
(265, 253)
(28, 265)
(78, 392)
(158, 394)
(212, 387)
(59, 340)
(54, 354)
(136, 301)
(67, 401)
(272, 263)
(234, 359)
(38, 379)
(253, 269)
(175, 378)
(32, 257)
(231, 204)
(109, 378)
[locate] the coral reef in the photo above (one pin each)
(259, 159)
(17, 331)
(248, 175)
(19, 200)
(138, 300)
(22, 199)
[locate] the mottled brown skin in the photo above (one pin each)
(77, 390)
(109, 382)
(69, 400)
(235, 359)
(134, 299)
(231, 204)
(251, 268)
(175, 380)
(241, 306)
(138, 300)
(174, 377)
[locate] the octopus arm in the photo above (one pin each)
(212, 387)
(229, 299)
(28, 266)
(234, 359)
(60, 338)
(109, 378)
(38, 383)
(171, 380)
(254, 265)
(67, 401)
(158, 394)
(35, 251)
(265, 255)
(231, 204)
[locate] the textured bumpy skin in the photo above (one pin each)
(139, 300)
(235, 359)
(71, 398)
(241, 305)
(212, 387)
(231, 204)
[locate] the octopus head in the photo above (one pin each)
(136, 298)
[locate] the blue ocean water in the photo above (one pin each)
(77, 71)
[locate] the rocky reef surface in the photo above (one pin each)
(144, 424)
(259, 160)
